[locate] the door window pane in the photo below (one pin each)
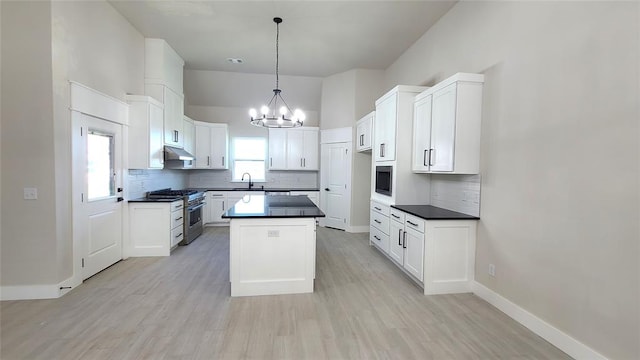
(100, 160)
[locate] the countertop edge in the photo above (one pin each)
(452, 215)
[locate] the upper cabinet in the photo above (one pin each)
(364, 132)
(293, 149)
(163, 81)
(211, 145)
(393, 109)
(146, 148)
(446, 126)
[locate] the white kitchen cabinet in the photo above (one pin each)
(155, 227)
(293, 149)
(164, 82)
(447, 117)
(217, 202)
(189, 140)
(277, 149)
(211, 145)
(146, 147)
(438, 254)
(364, 132)
(314, 196)
(379, 229)
(394, 109)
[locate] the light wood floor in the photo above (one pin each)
(179, 307)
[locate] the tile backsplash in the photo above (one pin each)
(142, 181)
(275, 179)
(459, 193)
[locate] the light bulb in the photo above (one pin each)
(302, 117)
(283, 110)
(299, 114)
(264, 110)
(253, 113)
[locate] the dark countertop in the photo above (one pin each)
(278, 206)
(255, 188)
(145, 199)
(429, 212)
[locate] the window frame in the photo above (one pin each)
(237, 177)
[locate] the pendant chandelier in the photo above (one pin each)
(277, 114)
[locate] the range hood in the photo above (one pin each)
(174, 153)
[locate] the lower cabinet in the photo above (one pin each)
(437, 254)
(155, 227)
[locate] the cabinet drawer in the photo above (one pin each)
(380, 208)
(379, 221)
(414, 222)
(177, 234)
(397, 215)
(177, 205)
(380, 239)
(177, 218)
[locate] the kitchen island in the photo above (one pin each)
(272, 245)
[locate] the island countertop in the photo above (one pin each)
(273, 206)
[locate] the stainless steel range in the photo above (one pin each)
(193, 204)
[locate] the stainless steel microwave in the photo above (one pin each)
(383, 180)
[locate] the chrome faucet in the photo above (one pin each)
(250, 183)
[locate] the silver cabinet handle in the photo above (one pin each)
(431, 151)
(399, 236)
(378, 221)
(377, 238)
(377, 208)
(410, 223)
(300, 162)
(270, 162)
(177, 236)
(395, 216)
(179, 218)
(404, 240)
(424, 158)
(223, 206)
(223, 161)
(304, 162)
(208, 160)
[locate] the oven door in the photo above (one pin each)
(193, 223)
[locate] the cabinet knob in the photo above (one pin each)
(327, 189)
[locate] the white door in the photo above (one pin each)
(102, 194)
(414, 253)
(335, 167)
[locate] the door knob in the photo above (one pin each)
(327, 189)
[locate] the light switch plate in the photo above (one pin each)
(30, 193)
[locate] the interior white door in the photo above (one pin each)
(102, 196)
(335, 167)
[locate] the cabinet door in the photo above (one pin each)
(156, 144)
(277, 149)
(414, 253)
(206, 209)
(421, 134)
(385, 130)
(219, 146)
(203, 146)
(366, 132)
(396, 235)
(295, 149)
(360, 136)
(173, 117)
(443, 126)
(218, 207)
(310, 156)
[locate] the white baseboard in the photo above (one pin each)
(34, 292)
(358, 229)
(559, 339)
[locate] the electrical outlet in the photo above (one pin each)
(30, 193)
(492, 270)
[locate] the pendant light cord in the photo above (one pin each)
(277, 54)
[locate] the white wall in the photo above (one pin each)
(46, 44)
(237, 90)
(559, 157)
(28, 227)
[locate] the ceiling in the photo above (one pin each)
(317, 38)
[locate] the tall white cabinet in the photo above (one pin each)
(364, 132)
(446, 126)
(163, 81)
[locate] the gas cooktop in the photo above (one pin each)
(168, 193)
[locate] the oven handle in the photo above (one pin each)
(195, 207)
